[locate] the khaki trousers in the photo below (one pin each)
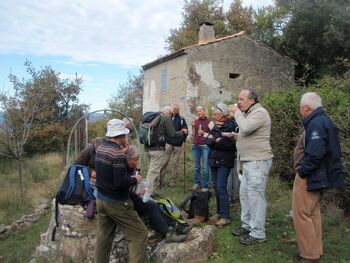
(156, 160)
(171, 159)
(134, 230)
(307, 220)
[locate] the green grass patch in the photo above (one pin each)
(20, 247)
(41, 176)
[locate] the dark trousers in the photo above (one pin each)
(219, 176)
(152, 211)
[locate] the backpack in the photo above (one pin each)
(198, 205)
(75, 189)
(148, 131)
(172, 215)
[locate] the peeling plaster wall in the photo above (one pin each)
(201, 76)
(258, 66)
(153, 96)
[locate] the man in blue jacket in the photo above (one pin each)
(317, 161)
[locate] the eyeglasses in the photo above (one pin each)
(219, 109)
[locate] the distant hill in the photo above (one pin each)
(96, 116)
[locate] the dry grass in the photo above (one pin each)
(41, 177)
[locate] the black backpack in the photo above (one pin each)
(148, 131)
(198, 204)
(75, 189)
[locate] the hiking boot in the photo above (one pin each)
(183, 229)
(214, 219)
(239, 231)
(223, 222)
(248, 240)
(172, 237)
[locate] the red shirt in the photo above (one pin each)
(200, 140)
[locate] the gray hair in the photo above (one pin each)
(176, 106)
(166, 109)
(132, 152)
(312, 99)
(252, 94)
(201, 107)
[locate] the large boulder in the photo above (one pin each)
(75, 241)
(196, 248)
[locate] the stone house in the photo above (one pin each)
(214, 70)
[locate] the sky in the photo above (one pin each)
(102, 41)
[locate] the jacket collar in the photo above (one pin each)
(252, 107)
(318, 111)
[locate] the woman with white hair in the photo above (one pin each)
(221, 160)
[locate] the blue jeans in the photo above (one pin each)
(219, 176)
(200, 153)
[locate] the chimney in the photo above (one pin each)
(206, 32)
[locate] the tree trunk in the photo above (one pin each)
(19, 169)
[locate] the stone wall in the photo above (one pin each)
(25, 222)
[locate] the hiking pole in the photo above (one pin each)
(159, 245)
(184, 167)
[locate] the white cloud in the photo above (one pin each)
(121, 32)
(111, 31)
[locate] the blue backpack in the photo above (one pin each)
(75, 189)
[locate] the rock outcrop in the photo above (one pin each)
(75, 241)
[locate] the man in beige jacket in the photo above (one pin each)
(253, 147)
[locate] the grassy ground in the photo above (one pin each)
(40, 180)
(281, 245)
(21, 247)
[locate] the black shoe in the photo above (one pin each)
(239, 231)
(248, 240)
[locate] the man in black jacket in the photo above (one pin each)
(318, 165)
(173, 147)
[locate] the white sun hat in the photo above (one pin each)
(116, 127)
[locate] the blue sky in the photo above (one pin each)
(103, 41)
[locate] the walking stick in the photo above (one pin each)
(184, 167)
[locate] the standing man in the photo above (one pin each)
(114, 206)
(156, 153)
(173, 146)
(253, 146)
(317, 159)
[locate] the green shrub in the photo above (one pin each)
(283, 107)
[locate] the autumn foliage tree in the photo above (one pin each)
(32, 104)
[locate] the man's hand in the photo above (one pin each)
(185, 131)
(233, 108)
(138, 178)
(93, 174)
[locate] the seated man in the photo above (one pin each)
(149, 208)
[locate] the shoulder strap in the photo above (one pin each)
(71, 174)
(85, 172)
(53, 236)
